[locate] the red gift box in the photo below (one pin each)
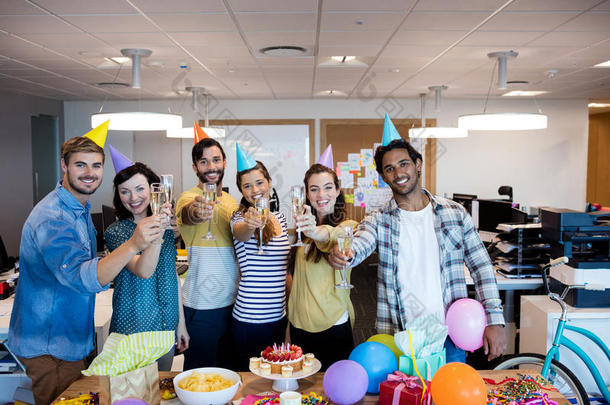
(402, 389)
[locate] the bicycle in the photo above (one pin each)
(551, 368)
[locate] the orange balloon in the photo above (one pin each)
(458, 384)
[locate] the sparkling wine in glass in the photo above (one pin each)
(297, 194)
(262, 209)
(345, 237)
(167, 180)
(209, 196)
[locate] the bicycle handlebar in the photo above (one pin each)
(552, 263)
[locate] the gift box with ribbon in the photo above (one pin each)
(427, 365)
(402, 389)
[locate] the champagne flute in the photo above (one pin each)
(262, 209)
(209, 196)
(297, 194)
(345, 237)
(167, 180)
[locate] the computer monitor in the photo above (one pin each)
(98, 222)
(494, 212)
(109, 216)
(465, 200)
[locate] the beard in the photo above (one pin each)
(201, 175)
(81, 190)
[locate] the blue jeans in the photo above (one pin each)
(454, 354)
(210, 335)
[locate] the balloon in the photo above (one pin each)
(377, 360)
(387, 340)
(458, 384)
(466, 322)
(345, 382)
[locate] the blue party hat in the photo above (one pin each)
(389, 132)
(244, 161)
(119, 160)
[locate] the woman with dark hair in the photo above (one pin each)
(146, 292)
(259, 314)
(321, 316)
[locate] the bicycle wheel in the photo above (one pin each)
(559, 375)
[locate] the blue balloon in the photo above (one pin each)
(378, 361)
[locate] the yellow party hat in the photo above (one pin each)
(98, 134)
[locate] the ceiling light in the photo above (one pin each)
(138, 121)
(502, 121)
(506, 121)
(135, 55)
(603, 64)
(394, 70)
(598, 105)
(189, 132)
(332, 93)
(523, 93)
(119, 59)
(435, 132)
(343, 59)
(283, 51)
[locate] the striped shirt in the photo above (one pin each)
(261, 296)
(459, 244)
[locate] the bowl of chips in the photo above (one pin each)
(207, 385)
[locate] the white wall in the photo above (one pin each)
(16, 161)
(545, 167)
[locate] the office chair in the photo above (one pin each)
(506, 191)
(6, 262)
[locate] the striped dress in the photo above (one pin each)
(261, 296)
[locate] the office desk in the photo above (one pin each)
(253, 384)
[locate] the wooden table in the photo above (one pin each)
(253, 384)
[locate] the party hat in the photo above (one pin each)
(98, 134)
(199, 133)
(244, 161)
(119, 160)
(326, 158)
(389, 132)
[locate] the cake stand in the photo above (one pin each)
(281, 384)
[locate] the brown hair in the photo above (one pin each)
(245, 204)
(80, 144)
(333, 219)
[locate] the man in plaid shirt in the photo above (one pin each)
(424, 241)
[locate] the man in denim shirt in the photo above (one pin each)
(52, 329)
(424, 241)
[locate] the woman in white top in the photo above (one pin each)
(259, 313)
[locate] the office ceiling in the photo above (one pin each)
(57, 48)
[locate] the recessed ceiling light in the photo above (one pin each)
(394, 70)
(343, 59)
(283, 50)
(119, 59)
(523, 93)
(331, 93)
(90, 53)
(232, 70)
(598, 105)
(603, 64)
(155, 63)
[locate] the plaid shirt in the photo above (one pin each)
(459, 244)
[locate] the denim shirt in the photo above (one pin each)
(55, 298)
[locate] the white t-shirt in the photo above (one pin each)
(419, 265)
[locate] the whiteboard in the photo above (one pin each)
(283, 149)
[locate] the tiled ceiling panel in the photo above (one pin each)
(58, 48)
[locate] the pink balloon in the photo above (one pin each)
(466, 322)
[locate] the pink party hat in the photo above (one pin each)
(389, 132)
(326, 158)
(119, 160)
(244, 161)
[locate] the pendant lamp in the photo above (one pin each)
(505, 121)
(187, 132)
(137, 120)
(435, 132)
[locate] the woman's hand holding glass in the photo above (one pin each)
(252, 219)
(306, 222)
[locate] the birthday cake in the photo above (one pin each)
(281, 356)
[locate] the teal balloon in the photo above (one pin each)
(378, 361)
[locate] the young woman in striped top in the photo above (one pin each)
(259, 313)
